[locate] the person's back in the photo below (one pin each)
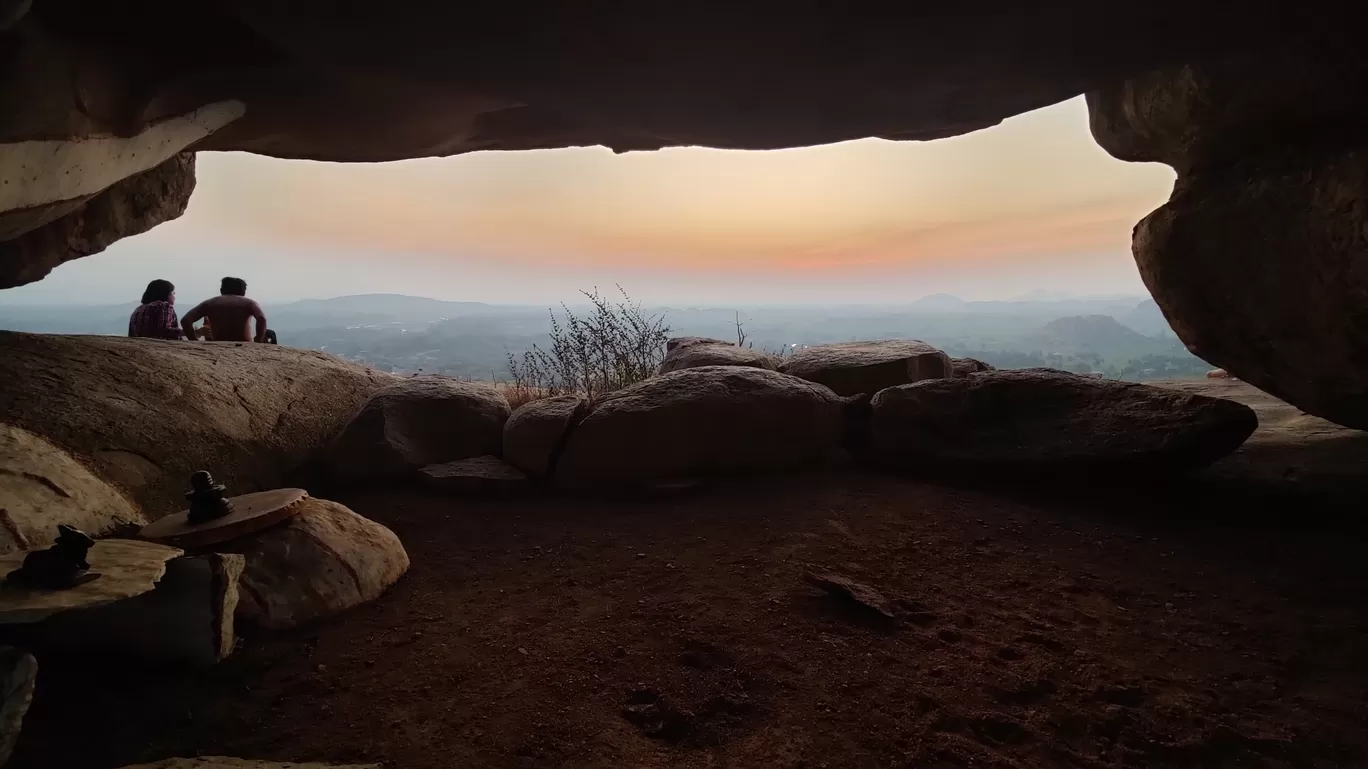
(230, 314)
(156, 316)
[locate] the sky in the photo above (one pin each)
(1031, 204)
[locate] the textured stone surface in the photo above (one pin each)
(127, 568)
(1294, 230)
(693, 356)
(1040, 419)
(962, 367)
(474, 475)
(1291, 451)
(852, 368)
(332, 81)
(187, 619)
(18, 672)
(1257, 259)
(321, 562)
(415, 422)
(702, 421)
(42, 486)
(534, 435)
(144, 414)
(680, 342)
(1226, 109)
(90, 225)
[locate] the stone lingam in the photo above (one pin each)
(214, 518)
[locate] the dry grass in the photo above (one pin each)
(617, 344)
(521, 395)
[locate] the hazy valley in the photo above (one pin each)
(1123, 337)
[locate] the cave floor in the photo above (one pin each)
(1098, 629)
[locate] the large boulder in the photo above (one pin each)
(322, 561)
(1040, 419)
(144, 414)
(535, 434)
(851, 368)
(417, 422)
(696, 355)
(42, 486)
(702, 421)
(1257, 259)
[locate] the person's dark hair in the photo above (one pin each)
(158, 291)
(234, 286)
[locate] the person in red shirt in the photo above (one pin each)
(155, 318)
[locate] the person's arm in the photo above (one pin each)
(188, 322)
(260, 317)
(167, 325)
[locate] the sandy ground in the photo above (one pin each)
(1072, 628)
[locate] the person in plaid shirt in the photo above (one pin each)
(156, 316)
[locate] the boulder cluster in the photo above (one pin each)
(108, 445)
(717, 409)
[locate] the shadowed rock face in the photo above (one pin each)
(119, 88)
(1259, 259)
(99, 101)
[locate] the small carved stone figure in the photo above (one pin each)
(63, 565)
(206, 499)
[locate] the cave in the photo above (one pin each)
(1256, 260)
(1006, 631)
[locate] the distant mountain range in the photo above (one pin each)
(1125, 337)
(934, 311)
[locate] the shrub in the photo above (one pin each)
(615, 345)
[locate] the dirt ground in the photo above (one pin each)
(1105, 628)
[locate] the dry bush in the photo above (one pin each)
(617, 344)
(519, 395)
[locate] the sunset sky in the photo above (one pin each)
(1030, 204)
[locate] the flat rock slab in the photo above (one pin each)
(251, 513)
(693, 356)
(219, 762)
(477, 474)
(854, 368)
(18, 671)
(127, 568)
(1291, 451)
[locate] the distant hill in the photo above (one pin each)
(382, 304)
(1148, 319)
(940, 302)
(1093, 333)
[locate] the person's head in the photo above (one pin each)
(159, 291)
(233, 287)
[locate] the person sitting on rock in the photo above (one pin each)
(230, 314)
(155, 318)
